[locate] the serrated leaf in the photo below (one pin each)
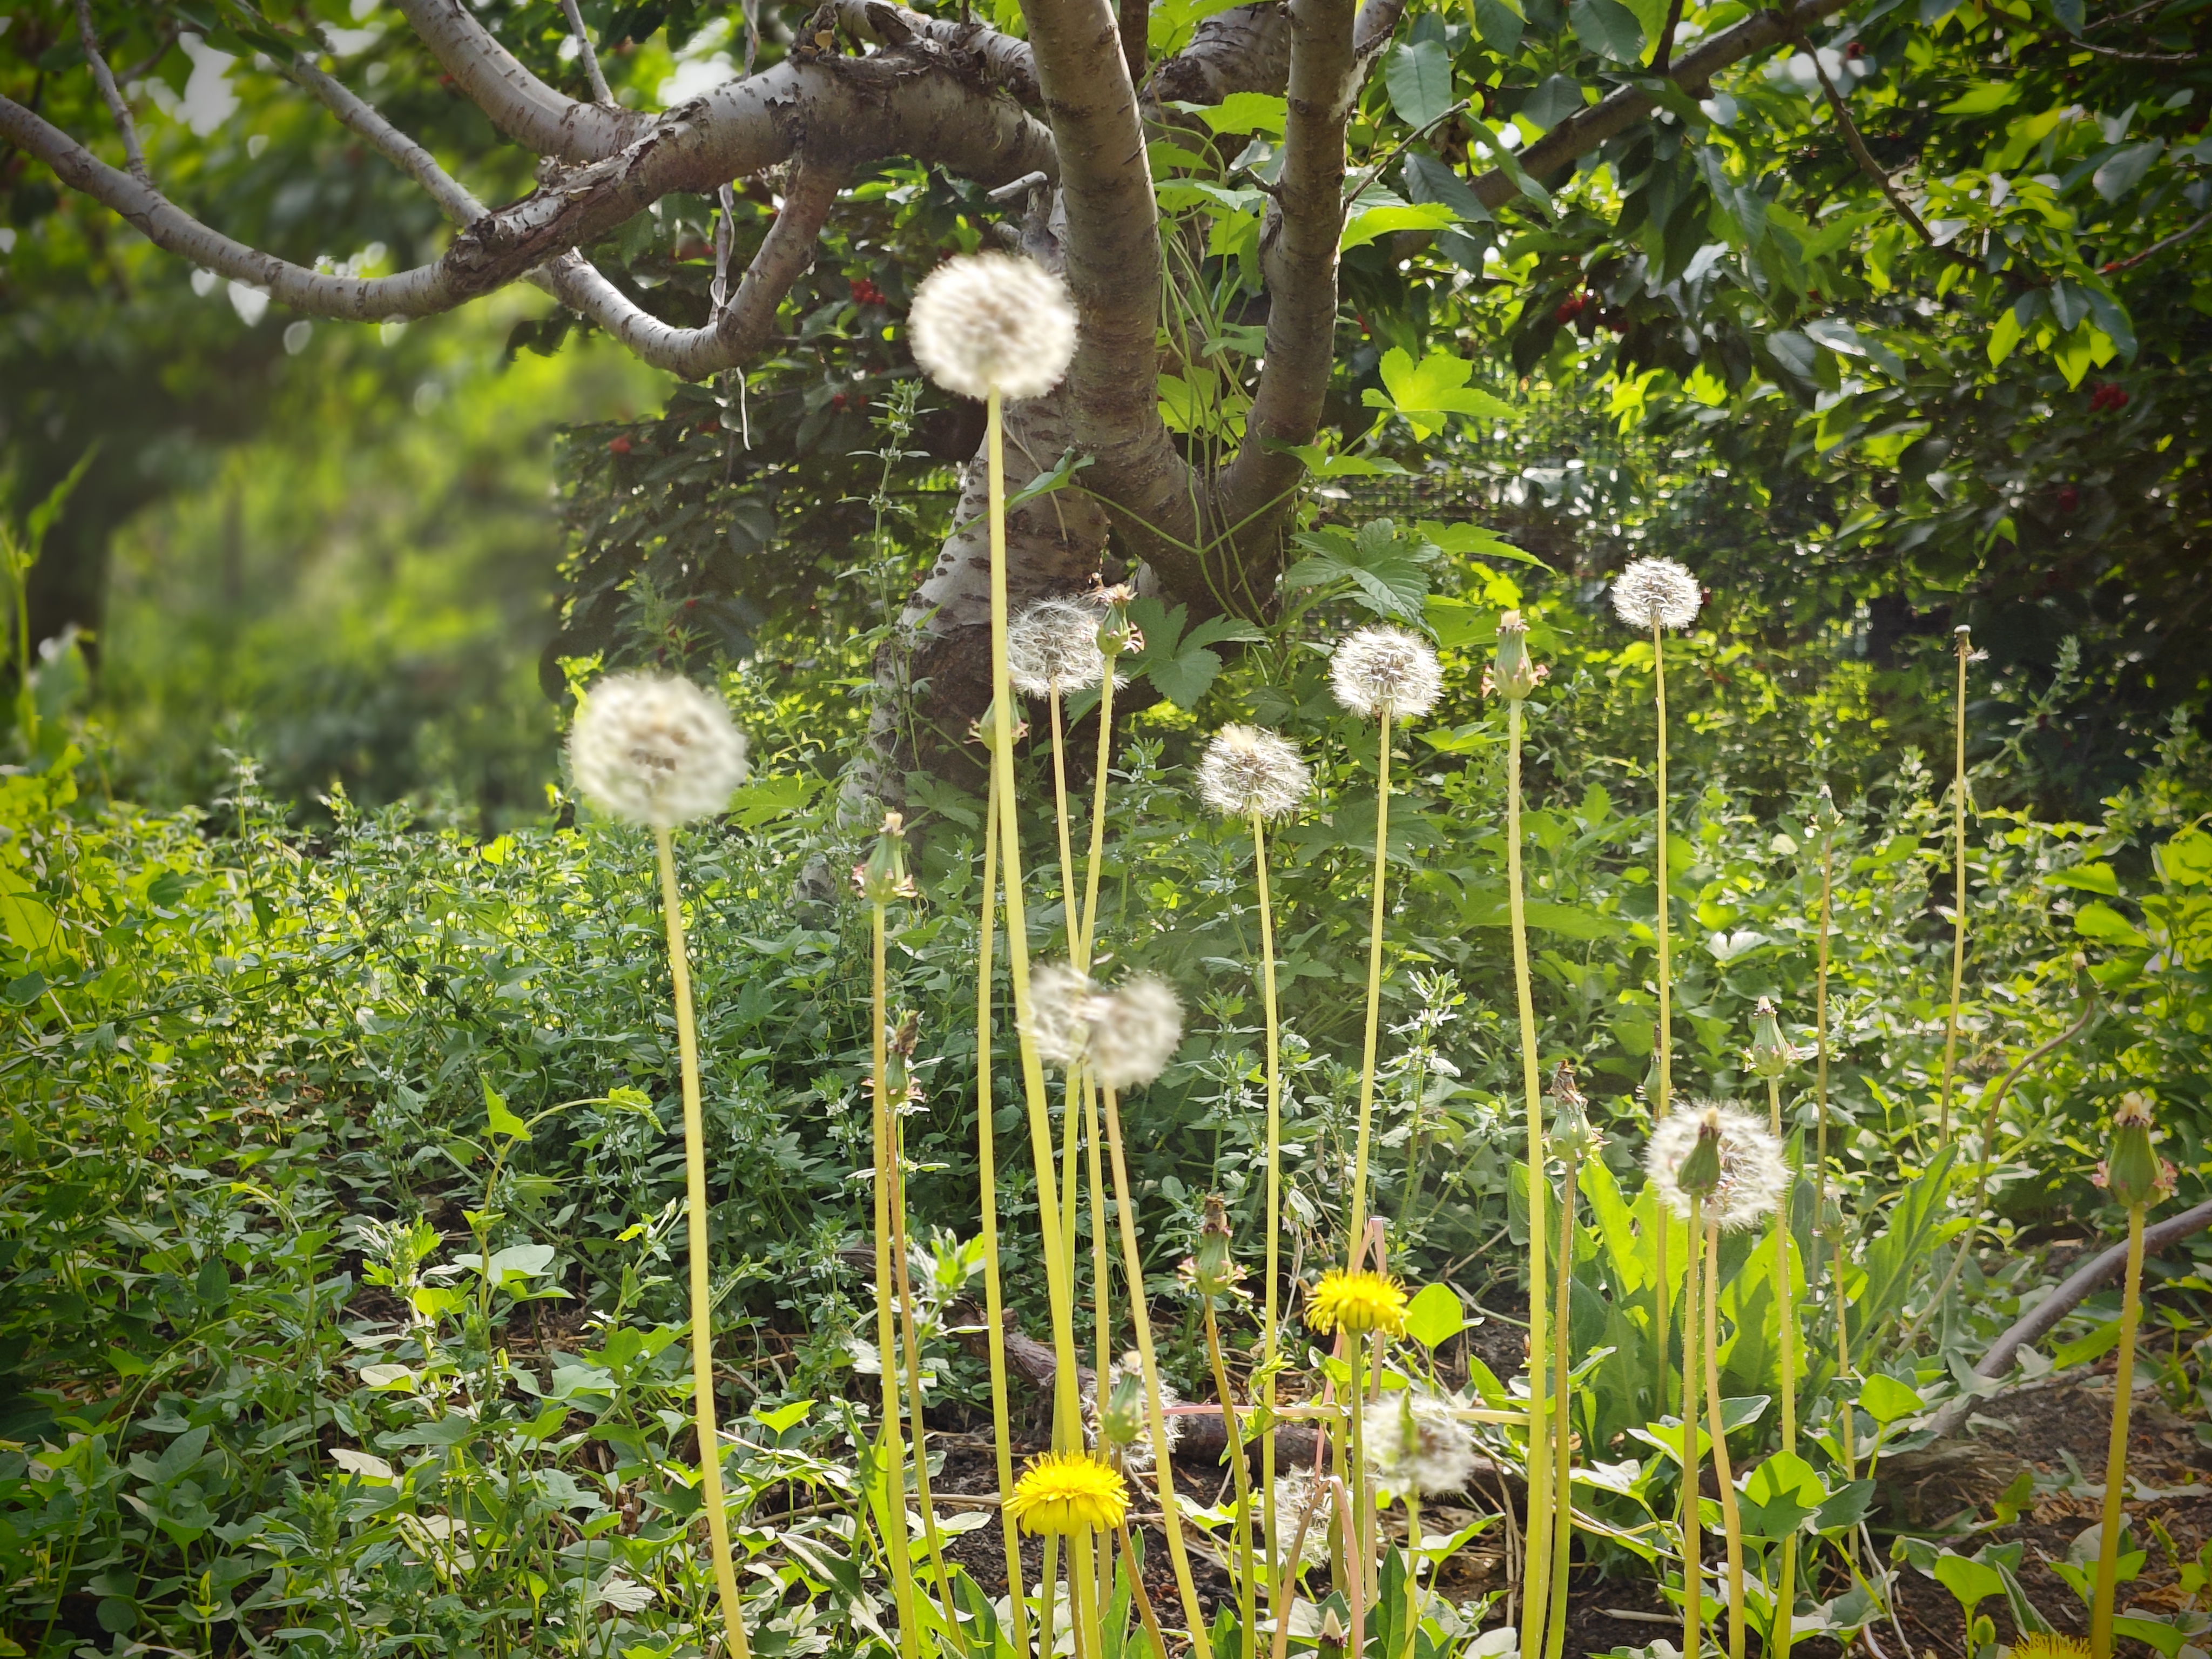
(1426, 394)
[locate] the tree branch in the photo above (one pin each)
(453, 199)
(1853, 142)
(519, 105)
(1112, 248)
(134, 152)
(743, 324)
(1245, 49)
(584, 49)
(999, 59)
(1582, 132)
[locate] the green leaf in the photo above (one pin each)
(1426, 394)
(1323, 464)
(1886, 1400)
(1428, 180)
(2186, 860)
(1501, 25)
(764, 799)
(1243, 111)
(1782, 1494)
(1970, 1582)
(1608, 28)
(2125, 170)
(1063, 471)
(1434, 1316)
(1471, 539)
(1417, 76)
(1387, 576)
(1459, 623)
(1378, 223)
(1983, 99)
(2097, 1344)
(1181, 668)
(2108, 927)
(503, 1123)
(2088, 877)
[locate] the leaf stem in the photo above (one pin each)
(2116, 1454)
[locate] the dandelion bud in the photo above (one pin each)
(1381, 671)
(1962, 642)
(984, 728)
(655, 750)
(990, 322)
(1248, 773)
(1117, 634)
(1573, 1136)
(1123, 1420)
(1720, 1156)
(1772, 1053)
(1052, 648)
(1656, 594)
(1825, 817)
(1212, 1271)
(1512, 672)
(884, 877)
(2132, 1171)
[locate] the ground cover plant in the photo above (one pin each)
(346, 1301)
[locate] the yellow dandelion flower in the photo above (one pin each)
(2050, 1645)
(1068, 1493)
(1357, 1303)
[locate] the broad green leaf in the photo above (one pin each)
(1472, 539)
(1782, 1494)
(1434, 1316)
(1608, 29)
(1426, 394)
(1243, 111)
(2088, 877)
(1984, 99)
(2107, 927)
(1062, 472)
(2125, 170)
(1380, 221)
(762, 800)
(1323, 464)
(503, 1123)
(1428, 180)
(1417, 76)
(2186, 860)
(1501, 25)
(1970, 1582)
(1886, 1400)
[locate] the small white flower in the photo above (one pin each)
(1752, 1174)
(654, 751)
(1416, 1446)
(1656, 594)
(1246, 770)
(1052, 648)
(1381, 670)
(986, 322)
(1125, 1036)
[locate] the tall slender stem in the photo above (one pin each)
(1070, 915)
(1278, 1588)
(987, 1161)
(896, 1544)
(1662, 920)
(1821, 1163)
(1536, 1587)
(2116, 1454)
(910, 1347)
(1358, 1225)
(1958, 892)
(1241, 1476)
(1693, 1593)
(694, 1187)
(1731, 1520)
(1059, 1278)
(1133, 1270)
(1781, 1634)
(1359, 1548)
(1413, 1572)
(1563, 1523)
(1089, 932)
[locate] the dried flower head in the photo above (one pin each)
(1750, 1175)
(1125, 1036)
(1356, 1304)
(1301, 1509)
(1052, 648)
(1386, 671)
(986, 322)
(656, 751)
(1247, 773)
(1067, 1493)
(1416, 1447)
(1126, 1426)
(1656, 594)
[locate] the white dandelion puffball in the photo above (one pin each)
(1386, 671)
(1302, 1503)
(990, 322)
(1053, 647)
(656, 751)
(1136, 1452)
(1752, 1174)
(1656, 594)
(1416, 1446)
(1136, 1034)
(1062, 1006)
(1125, 1036)
(1246, 772)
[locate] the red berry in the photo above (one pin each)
(2069, 500)
(1855, 50)
(838, 401)
(618, 447)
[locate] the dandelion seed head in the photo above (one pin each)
(1066, 1493)
(655, 750)
(1302, 1506)
(1061, 1011)
(1247, 771)
(1752, 1172)
(1053, 646)
(1135, 1033)
(1656, 594)
(983, 322)
(1386, 671)
(1416, 1446)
